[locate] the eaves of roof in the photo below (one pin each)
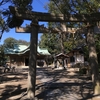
(23, 49)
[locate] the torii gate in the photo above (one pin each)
(35, 17)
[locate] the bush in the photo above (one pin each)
(78, 65)
(83, 70)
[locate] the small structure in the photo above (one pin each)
(20, 55)
(63, 58)
(75, 56)
(70, 59)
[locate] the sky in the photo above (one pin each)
(38, 5)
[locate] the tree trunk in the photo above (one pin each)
(32, 63)
(93, 61)
(63, 25)
(64, 29)
(62, 44)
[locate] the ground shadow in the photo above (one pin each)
(56, 90)
(52, 89)
(12, 91)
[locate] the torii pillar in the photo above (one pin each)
(32, 61)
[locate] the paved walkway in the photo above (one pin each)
(51, 84)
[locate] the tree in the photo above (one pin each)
(50, 41)
(23, 42)
(2, 55)
(10, 42)
(6, 19)
(72, 7)
(3, 24)
(59, 7)
(67, 7)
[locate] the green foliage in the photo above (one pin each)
(50, 41)
(76, 6)
(63, 42)
(3, 25)
(2, 55)
(86, 53)
(23, 4)
(68, 46)
(10, 42)
(23, 42)
(6, 16)
(67, 7)
(83, 71)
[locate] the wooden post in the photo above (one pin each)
(32, 61)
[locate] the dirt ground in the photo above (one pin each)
(51, 84)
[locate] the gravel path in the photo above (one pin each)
(63, 85)
(51, 84)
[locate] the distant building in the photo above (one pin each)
(70, 59)
(75, 56)
(20, 55)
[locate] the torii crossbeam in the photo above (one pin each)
(51, 17)
(47, 17)
(43, 29)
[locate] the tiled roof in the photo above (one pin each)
(61, 55)
(21, 49)
(43, 51)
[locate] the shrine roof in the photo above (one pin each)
(21, 49)
(61, 55)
